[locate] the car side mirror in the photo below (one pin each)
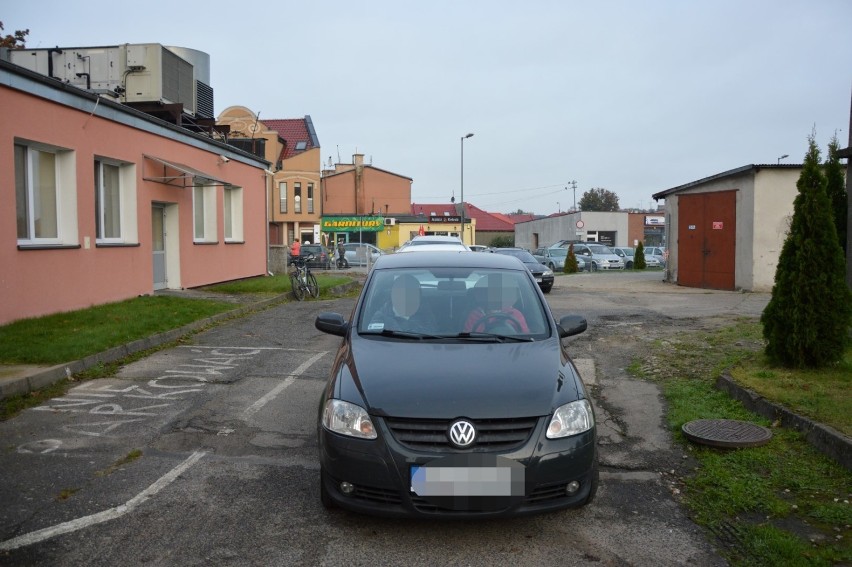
(571, 325)
(332, 323)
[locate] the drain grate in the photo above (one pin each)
(726, 433)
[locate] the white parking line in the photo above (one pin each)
(268, 397)
(106, 515)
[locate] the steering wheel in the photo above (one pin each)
(492, 321)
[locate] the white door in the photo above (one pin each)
(158, 244)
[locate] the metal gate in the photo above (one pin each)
(706, 240)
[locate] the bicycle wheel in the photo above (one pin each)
(313, 286)
(298, 290)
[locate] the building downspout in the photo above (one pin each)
(267, 188)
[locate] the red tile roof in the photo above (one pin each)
(292, 131)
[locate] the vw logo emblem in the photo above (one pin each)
(462, 433)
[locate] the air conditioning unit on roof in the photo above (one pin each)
(390, 221)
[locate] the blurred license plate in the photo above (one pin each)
(463, 481)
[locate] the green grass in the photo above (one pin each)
(812, 393)
(780, 504)
(72, 335)
(274, 285)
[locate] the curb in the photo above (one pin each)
(823, 438)
(54, 374)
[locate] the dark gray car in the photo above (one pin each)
(452, 395)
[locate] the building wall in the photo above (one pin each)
(771, 211)
(380, 192)
(547, 231)
(38, 281)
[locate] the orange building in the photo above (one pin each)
(356, 200)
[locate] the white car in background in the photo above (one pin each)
(627, 254)
(433, 244)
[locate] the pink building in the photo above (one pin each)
(102, 202)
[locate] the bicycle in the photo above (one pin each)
(302, 281)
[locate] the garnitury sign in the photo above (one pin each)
(352, 224)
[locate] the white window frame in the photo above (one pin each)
(310, 198)
(282, 196)
(63, 176)
(297, 198)
(128, 232)
(204, 213)
(232, 207)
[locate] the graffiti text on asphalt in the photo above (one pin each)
(136, 400)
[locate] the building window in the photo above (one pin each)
(107, 201)
(233, 206)
(297, 197)
(204, 213)
(310, 197)
(45, 195)
(282, 196)
(115, 202)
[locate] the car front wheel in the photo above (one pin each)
(594, 267)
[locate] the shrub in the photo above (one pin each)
(570, 266)
(639, 257)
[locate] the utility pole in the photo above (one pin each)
(574, 186)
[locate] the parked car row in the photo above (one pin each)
(591, 256)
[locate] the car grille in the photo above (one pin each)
(491, 434)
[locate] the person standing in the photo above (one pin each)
(341, 255)
(295, 249)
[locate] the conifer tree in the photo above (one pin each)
(836, 189)
(570, 266)
(639, 257)
(806, 323)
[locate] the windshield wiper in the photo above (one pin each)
(405, 334)
(494, 337)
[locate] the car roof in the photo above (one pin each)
(434, 238)
(448, 259)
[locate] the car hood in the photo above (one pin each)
(442, 380)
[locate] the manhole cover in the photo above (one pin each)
(726, 433)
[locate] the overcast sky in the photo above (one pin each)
(632, 96)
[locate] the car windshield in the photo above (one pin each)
(601, 249)
(452, 304)
(558, 252)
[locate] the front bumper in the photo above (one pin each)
(380, 472)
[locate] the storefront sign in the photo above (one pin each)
(437, 219)
(656, 220)
(352, 224)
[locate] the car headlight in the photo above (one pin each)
(571, 419)
(347, 419)
(548, 272)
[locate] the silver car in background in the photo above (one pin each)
(598, 257)
(554, 258)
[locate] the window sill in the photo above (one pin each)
(235, 242)
(117, 245)
(205, 242)
(48, 246)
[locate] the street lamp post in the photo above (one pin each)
(462, 183)
(782, 157)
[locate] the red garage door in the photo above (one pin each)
(706, 240)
